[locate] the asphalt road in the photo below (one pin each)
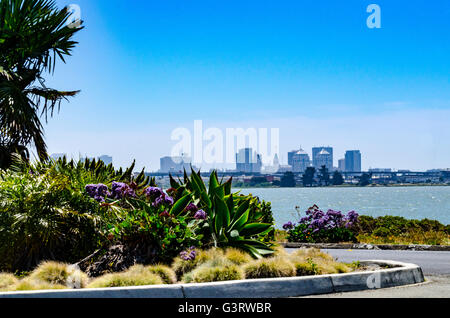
(432, 263)
(435, 266)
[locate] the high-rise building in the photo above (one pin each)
(290, 156)
(353, 161)
(175, 164)
(248, 161)
(106, 159)
(300, 161)
(322, 156)
(341, 165)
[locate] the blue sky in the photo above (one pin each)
(311, 68)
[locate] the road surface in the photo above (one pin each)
(435, 266)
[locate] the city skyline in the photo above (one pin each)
(315, 71)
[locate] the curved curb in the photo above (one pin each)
(397, 274)
(348, 246)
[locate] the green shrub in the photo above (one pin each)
(269, 268)
(44, 216)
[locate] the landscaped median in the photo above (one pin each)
(389, 274)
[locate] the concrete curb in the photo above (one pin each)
(349, 246)
(396, 274)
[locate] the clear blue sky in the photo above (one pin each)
(311, 68)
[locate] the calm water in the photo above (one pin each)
(409, 202)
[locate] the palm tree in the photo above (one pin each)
(34, 35)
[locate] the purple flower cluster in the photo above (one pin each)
(191, 208)
(200, 215)
(158, 196)
(317, 220)
(121, 190)
(97, 191)
(189, 255)
(288, 226)
(153, 192)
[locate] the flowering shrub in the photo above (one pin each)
(320, 227)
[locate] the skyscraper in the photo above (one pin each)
(341, 165)
(353, 161)
(323, 156)
(300, 161)
(290, 157)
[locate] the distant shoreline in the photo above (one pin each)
(347, 186)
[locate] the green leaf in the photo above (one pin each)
(222, 218)
(180, 205)
(230, 204)
(198, 180)
(242, 208)
(173, 183)
(213, 182)
(239, 223)
(227, 186)
(254, 229)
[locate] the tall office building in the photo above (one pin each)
(291, 156)
(341, 165)
(323, 156)
(353, 161)
(106, 159)
(300, 161)
(248, 161)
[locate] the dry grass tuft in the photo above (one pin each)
(7, 280)
(269, 268)
(59, 274)
(181, 266)
(30, 284)
(210, 273)
(135, 276)
(237, 256)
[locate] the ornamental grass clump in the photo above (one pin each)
(214, 272)
(132, 277)
(7, 280)
(188, 260)
(269, 268)
(237, 256)
(30, 284)
(315, 262)
(59, 274)
(167, 275)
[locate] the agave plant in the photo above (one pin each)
(232, 220)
